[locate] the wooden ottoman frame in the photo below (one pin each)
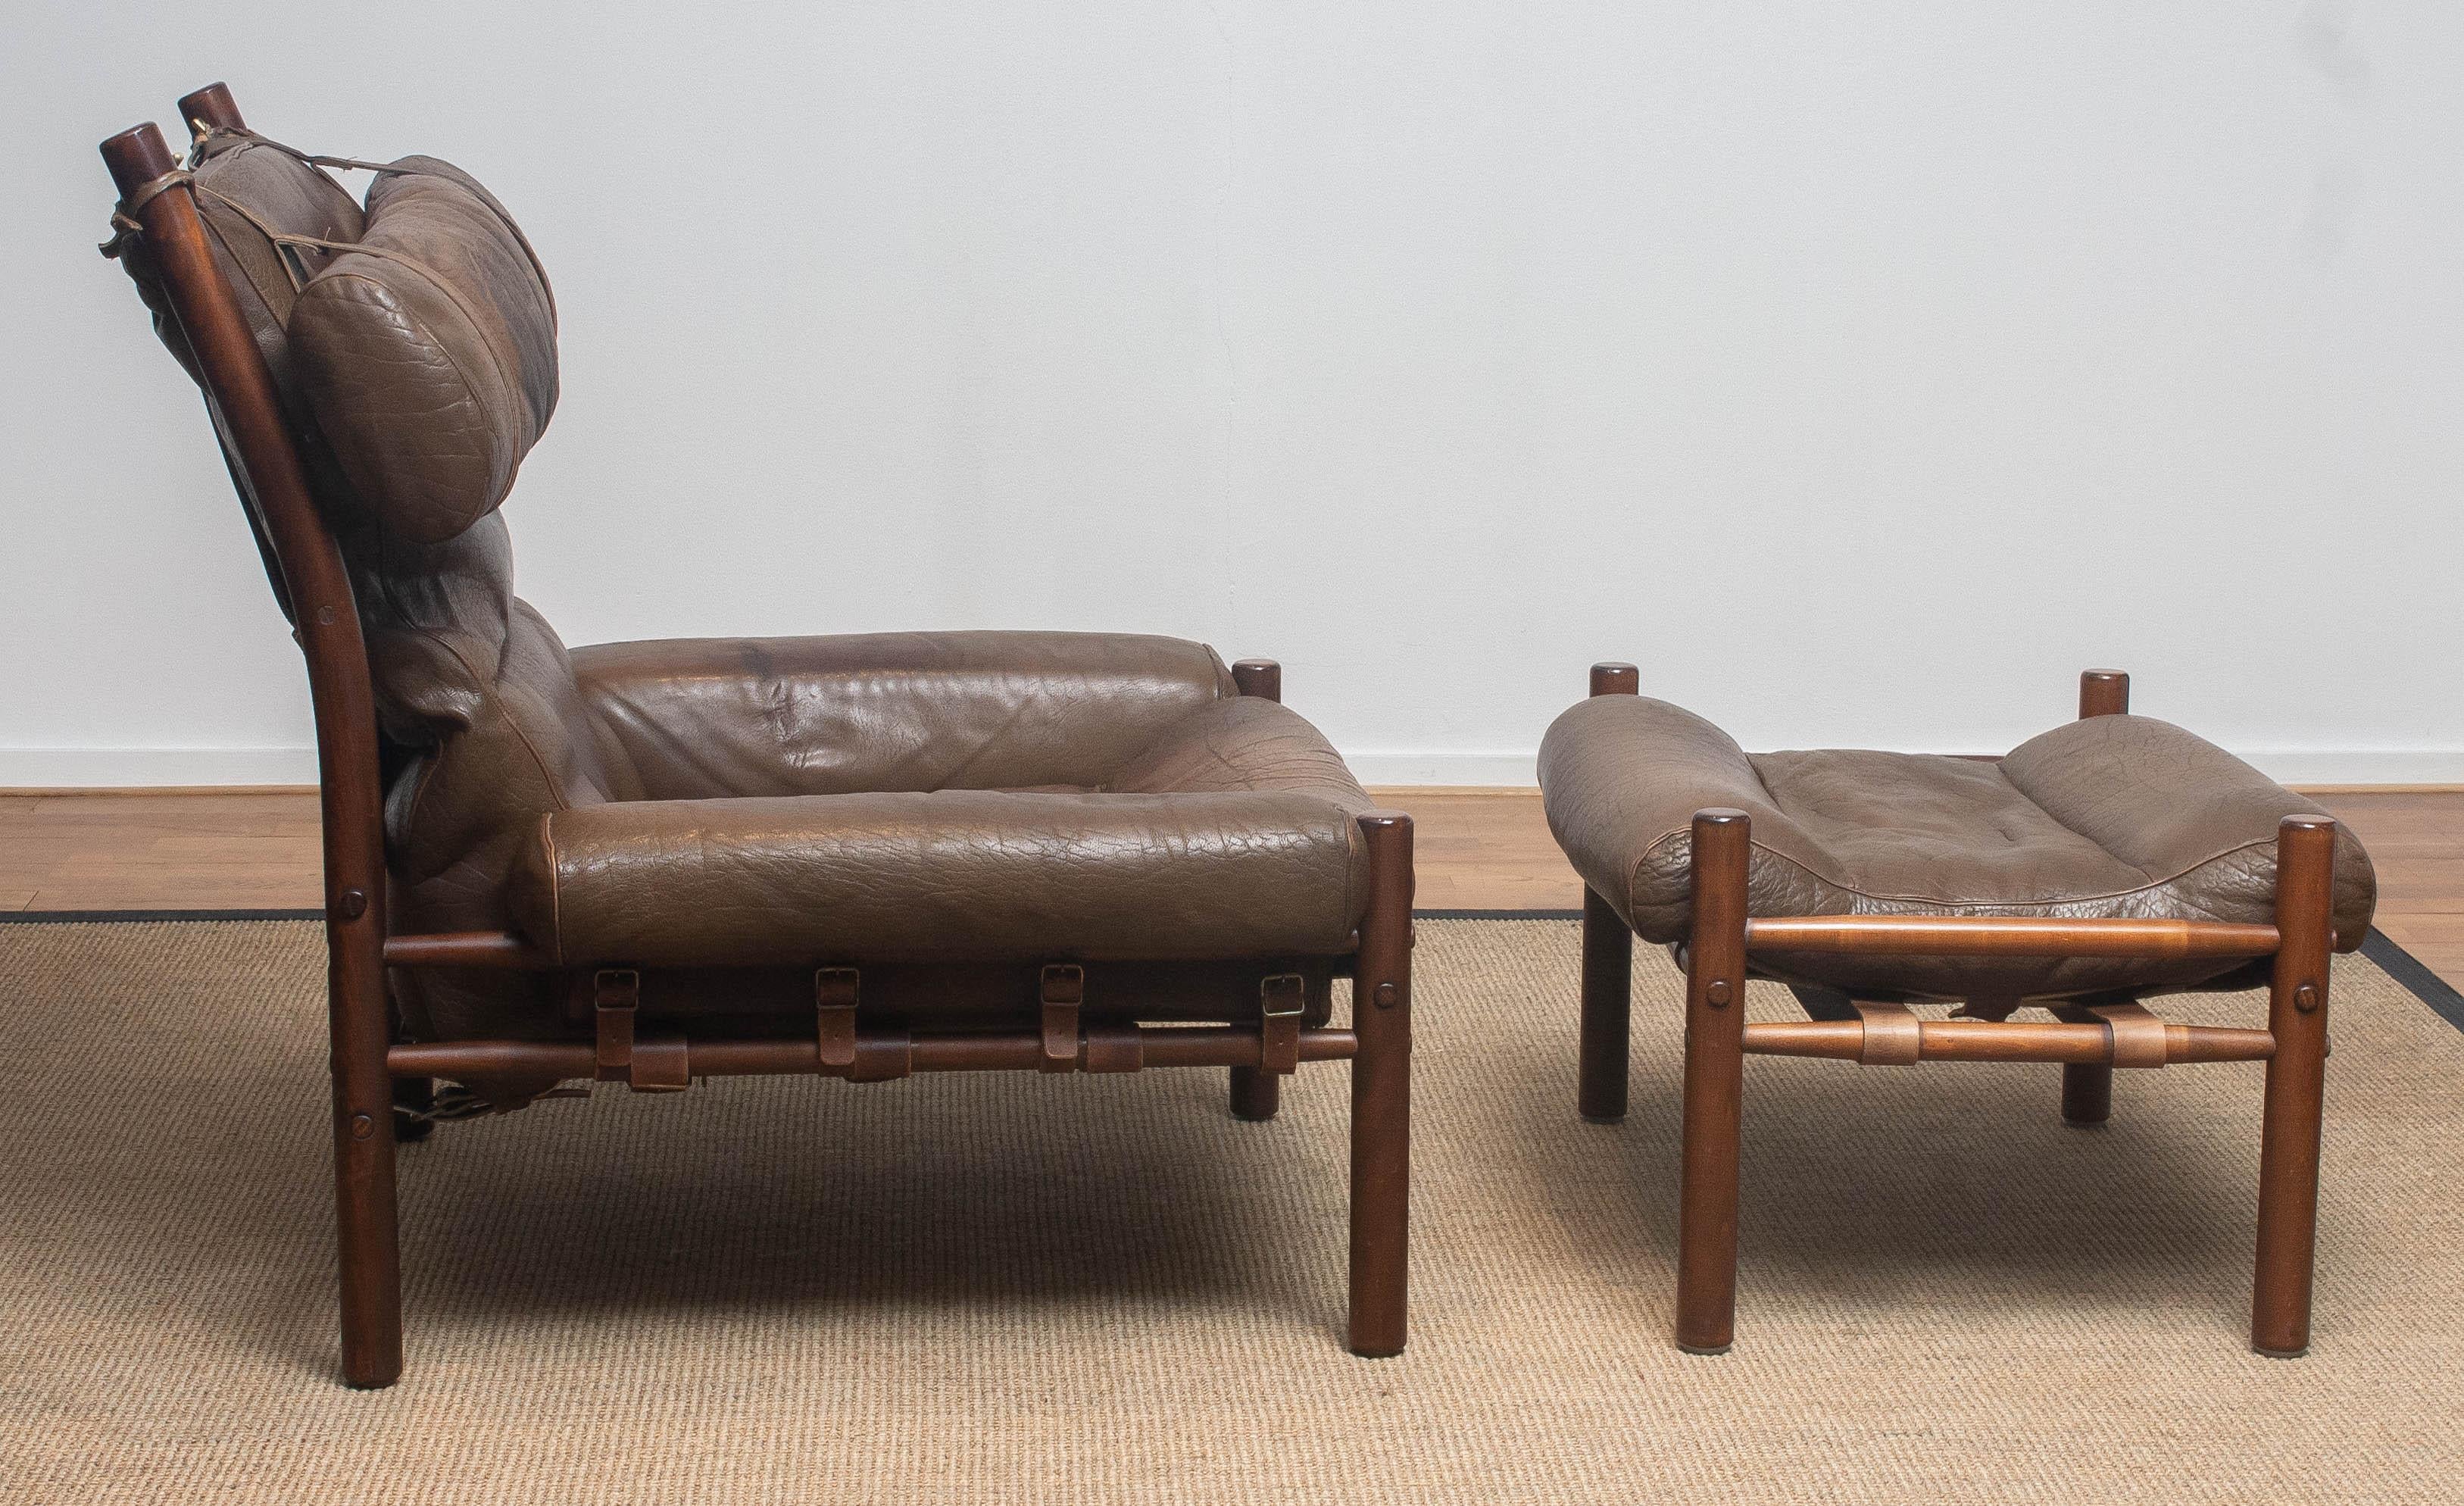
(371, 1067)
(2089, 1042)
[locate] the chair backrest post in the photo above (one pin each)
(240, 389)
(211, 105)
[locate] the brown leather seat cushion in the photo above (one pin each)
(1229, 834)
(2107, 816)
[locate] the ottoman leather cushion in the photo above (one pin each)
(2108, 816)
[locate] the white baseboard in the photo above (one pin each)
(1504, 769)
(157, 767)
(153, 768)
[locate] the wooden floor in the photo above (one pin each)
(1477, 849)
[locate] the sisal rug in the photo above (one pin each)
(993, 1288)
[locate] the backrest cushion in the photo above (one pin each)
(427, 352)
(244, 189)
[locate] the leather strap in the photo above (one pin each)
(883, 1057)
(1281, 999)
(2138, 1036)
(1893, 1034)
(835, 994)
(197, 156)
(1114, 1048)
(659, 1065)
(615, 994)
(1062, 991)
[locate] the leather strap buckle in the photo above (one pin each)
(1062, 991)
(1282, 997)
(835, 994)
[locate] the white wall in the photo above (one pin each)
(1863, 371)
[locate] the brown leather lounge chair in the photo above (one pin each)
(651, 862)
(2108, 860)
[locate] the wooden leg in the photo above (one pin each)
(1382, 1093)
(2087, 1092)
(363, 1188)
(1715, 1016)
(2087, 1095)
(2288, 1155)
(1256, 1094)
(1607, 1006)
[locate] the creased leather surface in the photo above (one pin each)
(2123, 816)
(428, 360)
(477, 693)
(695, 717)
(960, 875)
(941, 798)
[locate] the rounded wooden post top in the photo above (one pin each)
(2105, 693)
(211, 105)
(1609, 677)
(136, 157)
(1263, 678)
(2304, 821)
(1720, 817)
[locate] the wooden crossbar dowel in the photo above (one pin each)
(2006, 936)
(2007, 1040)
(493, 949)
(1164, 1046)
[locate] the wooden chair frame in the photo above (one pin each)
(369, 1066)
(2088, 1042)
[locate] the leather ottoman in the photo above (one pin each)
(2106, 861)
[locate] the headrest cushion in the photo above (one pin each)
(426, 352)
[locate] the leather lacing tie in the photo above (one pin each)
(125, 228)
(124, 214)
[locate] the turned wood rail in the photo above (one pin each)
(1154, 1046)
(2002, 1040)
(2006, 936)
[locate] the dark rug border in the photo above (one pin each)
(2434, 991)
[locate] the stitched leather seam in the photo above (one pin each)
(555, 792)
(470, 389)
(555, 886)
(1633, 879)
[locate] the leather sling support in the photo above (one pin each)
(835, 994)
(1062, 991)
(659, 1065)
(622, 1052)
(1893, 1034)
(2137, 1037)
(883, 1057)
(616, 992)
(1114, 1048)
(1281, 999)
